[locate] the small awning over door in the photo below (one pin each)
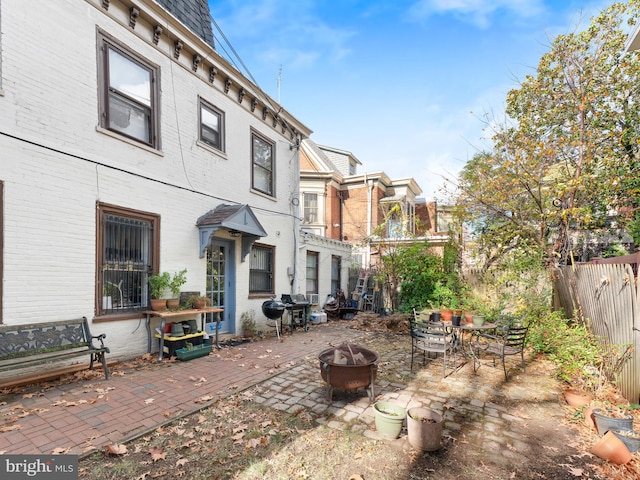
(238, 220)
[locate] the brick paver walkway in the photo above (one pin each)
(80, 417)
(83, 416)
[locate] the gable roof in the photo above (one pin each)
(236, 219)
(194, 14)
(322, 163)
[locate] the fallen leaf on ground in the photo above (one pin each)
(181, 462)
(157, 453)
(204, 399)
(10, 428)
(115, 449)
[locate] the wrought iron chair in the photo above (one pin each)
(431, 337)
(509, 339)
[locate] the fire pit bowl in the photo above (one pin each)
(273, 309)
(348, 367)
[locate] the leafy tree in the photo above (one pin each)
(411, 270)
(569, 151)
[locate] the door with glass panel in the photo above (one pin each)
(221, 281)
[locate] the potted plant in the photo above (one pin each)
(190, 351)
(424, 429)
(248, 323)
(389, 419)
(198, 302)
(158, 284)
(446, 298)
(177, 281)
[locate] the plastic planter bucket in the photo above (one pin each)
(389, 419)
(606, 420)
(424, 429)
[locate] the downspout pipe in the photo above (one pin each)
(369, 222)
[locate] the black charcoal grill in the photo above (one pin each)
(297, 307)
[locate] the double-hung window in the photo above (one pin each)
(261, 270)
(129, 92)
(310, 208)
(336, 268)
(127, 253)
(211, 126)
(312, 273)
(262, 164)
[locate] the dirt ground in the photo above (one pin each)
(237, 438)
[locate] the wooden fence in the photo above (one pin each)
(607, 296)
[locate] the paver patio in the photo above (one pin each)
(83, 416)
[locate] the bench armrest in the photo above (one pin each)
(99, 338)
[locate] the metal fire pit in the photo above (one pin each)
(349, 376)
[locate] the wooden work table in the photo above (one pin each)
(165, 314)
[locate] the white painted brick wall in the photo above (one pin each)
(50, 98)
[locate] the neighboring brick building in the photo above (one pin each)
(343, 204)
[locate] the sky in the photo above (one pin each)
(407, 86)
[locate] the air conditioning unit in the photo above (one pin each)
(313, 299)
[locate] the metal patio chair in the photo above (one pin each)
(431, 337)
(509, 340)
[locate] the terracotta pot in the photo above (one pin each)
(611, 449)
(200, 303)
(173, 303)
(158, 304)
(630, 438)
(446, 314)
(588, 417)
(468, 316)
(576, 398)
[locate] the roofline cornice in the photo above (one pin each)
(211, 67)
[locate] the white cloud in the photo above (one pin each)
(297, 37)
(477, 12)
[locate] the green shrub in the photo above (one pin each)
(571, 345)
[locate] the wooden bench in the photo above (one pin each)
(29, 347)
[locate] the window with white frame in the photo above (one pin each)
(312, 273)
(261, 270)
(394, 226)
(310, 208)
(211, 126)
(263, 164)
(129, 92)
